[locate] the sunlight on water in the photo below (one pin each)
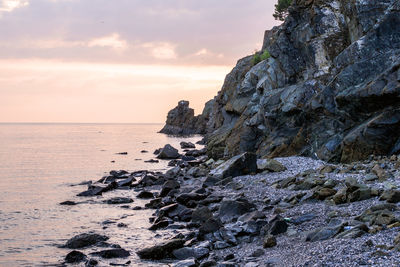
(38, 164)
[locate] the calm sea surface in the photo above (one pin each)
(38, 165)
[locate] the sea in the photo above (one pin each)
(41, 165)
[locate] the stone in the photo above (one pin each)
(269, 241)
(168, 152)
(168, 186)
(68, 203)
(112, 253)
(118, 200)
(230, 209)
(277, 226)
(270, 165)
(201, 214)
(210, 226)
(242, 164)
(391, 196)
(304, 218)
(187, 145)
(84, 240)
(145, 195)
(161, 251)
(75, 257)
(324, 233)
(186, 263)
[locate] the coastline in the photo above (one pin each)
(283, 216)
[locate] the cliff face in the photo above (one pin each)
(181, 120)
(330, 89)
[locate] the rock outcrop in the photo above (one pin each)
(330, 88)
(181, 120)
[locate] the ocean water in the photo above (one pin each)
(39, 163)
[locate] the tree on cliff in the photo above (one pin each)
(281, 9)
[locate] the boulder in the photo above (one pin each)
(168, 152)
(75, 257)
(84, 240)
(242, 164)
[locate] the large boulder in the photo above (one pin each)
(242, 164)
(168, 152)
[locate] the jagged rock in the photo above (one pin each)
(168, 152)
(201, 214)
(145, 195)
(330, 87)
(84, 240)
(242, 164)
(181, 120)
(161, 251)
(325, 233)
(168, 186)
(270, 165)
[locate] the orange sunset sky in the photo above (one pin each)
(121, 60)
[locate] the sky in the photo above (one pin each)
(120, 61)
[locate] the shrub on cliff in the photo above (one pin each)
(257, 58)
(281, 9)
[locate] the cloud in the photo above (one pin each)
(161, 50)
(10, 5)
(113, 41)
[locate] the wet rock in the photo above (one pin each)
(270, 165)
(84, 240)
(269, 241)
(75, 257)
(161, 251)
(68, 203)
(145, 195)
(122, 153)
(187, 145)
(126, 182)
(192, 252)
(242, 164)
(118, 200)
(168, 186)
(185, 198)
(96, 190)
(159, 225)
(168, 152)
(91, 262)
(391, 196)
(152, 161)
(112, 253)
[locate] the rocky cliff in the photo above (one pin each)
(330, 88)
(181, 120)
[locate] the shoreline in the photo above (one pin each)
(284, 216)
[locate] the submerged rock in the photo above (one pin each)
(75, 257)
(85, 240)
(161, 251)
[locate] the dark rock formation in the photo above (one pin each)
(181, 120)
(84, 240)
(331, 88)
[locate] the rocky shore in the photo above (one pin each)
(245, 211)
